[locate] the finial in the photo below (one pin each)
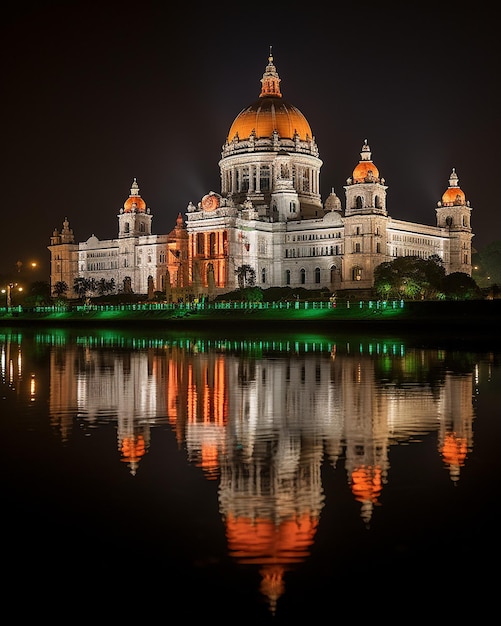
(270, 81)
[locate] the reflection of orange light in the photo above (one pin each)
(133, 448)
(263, 541)
(366, 483)
(210, 460)
(32, 387)
(454, 450)
(274, 546)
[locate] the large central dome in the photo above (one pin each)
(270, 113)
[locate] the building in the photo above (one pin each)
(268, 225)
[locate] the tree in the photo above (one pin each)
(83, 287)
(60, 289)
(105, 286)
(461, 286)
(38, 294)
(246, 276)
(409, 277)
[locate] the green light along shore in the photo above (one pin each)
(468, 317)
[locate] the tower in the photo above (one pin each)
(453, 215)
(365, 223)
(63, 258)
(134, 218)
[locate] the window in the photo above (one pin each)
(356, 273)
(317, 275)
(245, 179)
(212, 244)
(264, 181)
(302, 275)
(263, 275)
(287, 277)
(200, 243)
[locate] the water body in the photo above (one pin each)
(247, 479)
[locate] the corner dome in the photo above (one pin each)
(453, 195)
(333, 203)
(365, 171)
(134, 203)
(270, 113)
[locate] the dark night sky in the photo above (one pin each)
(96, 94)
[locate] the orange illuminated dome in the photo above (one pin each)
(270, 113)
(454, 195)
(365, 171)
(134, 203)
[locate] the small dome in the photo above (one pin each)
(453, 195)
(333, 203)
(365, 171)
(134, 203)
(270, 113)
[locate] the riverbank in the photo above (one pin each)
(479, 316)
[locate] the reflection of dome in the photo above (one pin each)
(275, 546)
(365, 170)
(270, 113)
(454, 195)
(134, 203)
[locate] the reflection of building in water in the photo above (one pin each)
(99, 386)
(456, 422)
(264, 418)
(360, 400)
(207, 410)
(271, 490)
(63, 390)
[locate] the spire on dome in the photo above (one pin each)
(365, 155)
(270, 81)
(134, 190)
(454, 179)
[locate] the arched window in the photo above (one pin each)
(126, 227)
(359, 202)
(263, 275)
(302, 276)
(287, 277)
(317, 275)
(356, 273)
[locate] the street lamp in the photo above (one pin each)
(8, 293)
